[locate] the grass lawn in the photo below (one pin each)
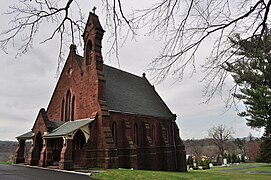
(6, 163)
(214, 173)
(235, 167)
(263, 169)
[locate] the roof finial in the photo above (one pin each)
(144, 74)
(93, 9)
(73, 47)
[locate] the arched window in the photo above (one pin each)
(68, 106)
(135, 134)
(168, 134)
(62, 109)
(153, 134)
(88, 53)
(73, 106)
(114, 132)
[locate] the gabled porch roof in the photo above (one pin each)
(68, 128)
(25, 136)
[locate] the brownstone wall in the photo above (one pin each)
(152, 152)
(83, 85)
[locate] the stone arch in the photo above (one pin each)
(39, 143)
(35, 151)
(63, 110)
(68, 106)
(79, 140)
(153, 134)
(114, 132)
(168, 134)
(88, 52)
(72, 108)
(135, 134)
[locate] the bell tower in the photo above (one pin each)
(106, 154)
(93, 35)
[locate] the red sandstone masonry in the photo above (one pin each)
(85, 81)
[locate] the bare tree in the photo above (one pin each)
(186, 26)
(64, 16)
(197, 149)
(241, 144)
(183, 25)
(220, 135)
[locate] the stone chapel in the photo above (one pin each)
(100, 116)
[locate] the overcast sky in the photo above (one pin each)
(27, 83)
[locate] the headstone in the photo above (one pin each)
(225, 161)
(195, 164)
(211, 165)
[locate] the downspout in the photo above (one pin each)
(174, 143)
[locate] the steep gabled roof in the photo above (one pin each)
(129, 93)
(44, 118)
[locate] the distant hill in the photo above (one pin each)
(7, 150)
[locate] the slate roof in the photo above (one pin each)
(51, 125)
(25, 136)
(68, 127)
(129, 93)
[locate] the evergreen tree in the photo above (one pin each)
(251, 72)
(190, 161)
(265, 152)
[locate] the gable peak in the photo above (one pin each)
(93, 23)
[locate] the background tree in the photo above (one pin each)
(197, 149)
(190, 161)
(243, 159)
(251, 72)
(234, 158)
(253, 150)
(250, 137)
(229, 159)
(241, 144)
(265, 150)
(62, 19)
(220, 134)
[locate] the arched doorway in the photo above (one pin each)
(37, 149)
(78, 142)
(57, 145)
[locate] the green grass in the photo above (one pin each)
(212, 174)
(6, 163)
(233, 167)
(263, 169)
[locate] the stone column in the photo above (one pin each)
(46, 155)
(19, 154)
(66, 161)
(42, 155)
(49, 153)
(35, 150)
